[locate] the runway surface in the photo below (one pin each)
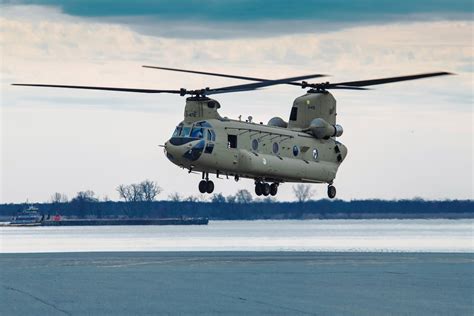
(251, 283)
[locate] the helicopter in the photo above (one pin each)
(303, 149)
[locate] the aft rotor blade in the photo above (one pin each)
(98, 88)
(217, 74)
(372, 82)
(258, 85)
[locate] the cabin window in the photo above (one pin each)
(296, 150)
(275, 148)
(232, 141)
(293, 114)
(255, 144)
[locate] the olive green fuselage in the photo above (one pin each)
(206, 142)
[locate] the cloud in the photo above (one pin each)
(55, 48)
(245, 18)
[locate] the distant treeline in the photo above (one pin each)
(223, 210)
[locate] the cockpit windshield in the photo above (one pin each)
(198, 131)
(185, 132)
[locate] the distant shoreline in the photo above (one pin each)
(322, 209)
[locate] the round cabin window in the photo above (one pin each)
(315, 154)
(255, 144)
(296, 150)
(275, 148)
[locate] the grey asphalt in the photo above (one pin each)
(250, 283)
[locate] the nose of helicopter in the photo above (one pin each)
(182, 149)
(343, 150)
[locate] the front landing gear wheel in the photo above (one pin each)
(331, 192)
(210, 187)
(203, 186)
(258, 188)
(273, 189)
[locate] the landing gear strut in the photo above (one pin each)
(206, 185)
(331, 191)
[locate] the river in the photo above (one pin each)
(262, 235)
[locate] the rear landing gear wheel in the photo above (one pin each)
(203, 186)
(273, 189)
(210, 187)
(331, 191)
(258, 189)
(265, 189)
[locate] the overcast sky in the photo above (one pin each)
(405, 140)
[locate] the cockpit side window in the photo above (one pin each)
(211, 135)
(177, 131)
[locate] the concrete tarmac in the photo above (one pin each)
(250, 283)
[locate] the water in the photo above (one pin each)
(269, 235)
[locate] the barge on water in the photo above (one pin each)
(116, 222)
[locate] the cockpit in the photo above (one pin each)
(200, 130)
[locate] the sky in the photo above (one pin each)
(405, 140)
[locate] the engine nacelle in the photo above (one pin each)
(323, 130)
(278, 122)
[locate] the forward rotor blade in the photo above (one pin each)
(98, 88)
(257, 85)
(217, 74)
(372, 82)
(349, 88)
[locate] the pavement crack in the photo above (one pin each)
(36, 298)
(290, 309)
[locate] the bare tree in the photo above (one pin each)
(303, 192)
(85, 202)
(145, 191)
(243, 196)
(175, 197)
(150, 190)
(136, 192)
(218, 198)
(192, 198)
(58, 198)
(85, 196)
(124, 192)
(231, 199)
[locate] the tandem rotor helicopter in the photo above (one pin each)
(302, 149)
